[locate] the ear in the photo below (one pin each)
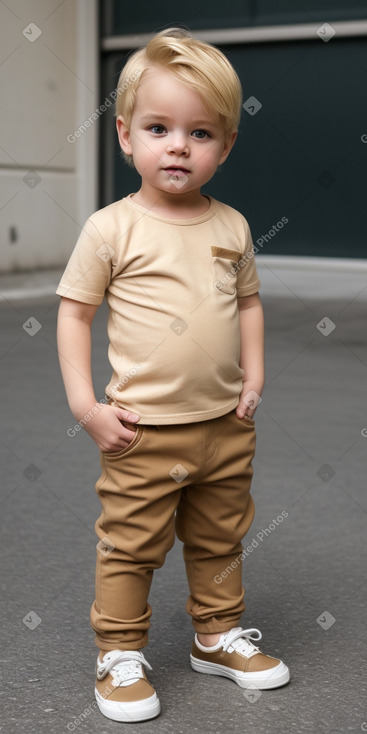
(228, 145)
(123, 135)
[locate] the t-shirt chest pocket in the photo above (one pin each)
(225, 264)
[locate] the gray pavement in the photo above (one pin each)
(305, 579)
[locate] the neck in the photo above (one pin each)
(175, 206)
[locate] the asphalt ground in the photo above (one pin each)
(305, 579)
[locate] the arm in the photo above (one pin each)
(74, 348)
(252, 353)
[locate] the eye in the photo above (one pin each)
(157, 129)
(200, 134)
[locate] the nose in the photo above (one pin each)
(178, 144)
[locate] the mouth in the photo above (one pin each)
(177, 170)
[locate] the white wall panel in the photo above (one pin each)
(48, 88)
(38, 224)
(38, 78)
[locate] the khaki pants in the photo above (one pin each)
(202, 471)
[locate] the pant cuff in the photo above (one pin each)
(108, 645)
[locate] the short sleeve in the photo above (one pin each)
(88, 272)
(248, 281)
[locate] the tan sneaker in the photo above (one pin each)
(235, 657)
(122, 690)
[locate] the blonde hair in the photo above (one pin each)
(198, 65)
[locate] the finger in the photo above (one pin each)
(121, 441)
(126, 415)
(128, 434)
(241, 410)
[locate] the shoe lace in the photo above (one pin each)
(124, 665)
(240, 640)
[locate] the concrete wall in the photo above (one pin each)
(48, 87)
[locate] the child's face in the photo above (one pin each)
(175, 144)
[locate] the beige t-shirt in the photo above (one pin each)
(171, 288)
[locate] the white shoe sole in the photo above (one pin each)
(272, 678)
(129, 711)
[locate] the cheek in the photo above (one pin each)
(145, 159)
(149, 148)
(208, 161)
(142, 152)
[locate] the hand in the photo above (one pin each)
(249, 400)
(106, 429)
